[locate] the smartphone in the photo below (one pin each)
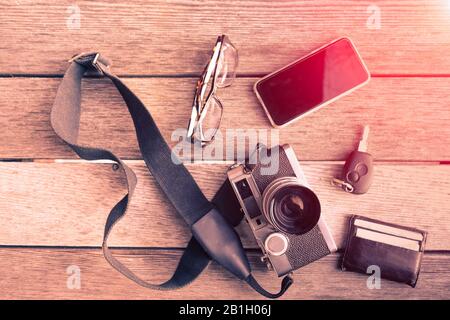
(311, 82)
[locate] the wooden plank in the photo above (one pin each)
(42, 274)
(67, 204)
(161, 37)
(409, 118)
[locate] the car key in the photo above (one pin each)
(357, 174)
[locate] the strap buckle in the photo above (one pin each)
(92, 60)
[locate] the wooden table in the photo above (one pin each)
(53, 206)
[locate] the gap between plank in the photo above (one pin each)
(84, 248)
(220, 162)
(230, 162)
(196, 75)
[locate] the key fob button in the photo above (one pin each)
(353, 176)
(362, 169)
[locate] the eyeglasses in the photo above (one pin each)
(207, 109)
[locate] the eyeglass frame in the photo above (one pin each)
(198, 108)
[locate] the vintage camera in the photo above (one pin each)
(282, 211)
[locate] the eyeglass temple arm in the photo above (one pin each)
(208, 71)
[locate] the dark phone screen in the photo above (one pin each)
(312, 81)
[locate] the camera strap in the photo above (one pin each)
(174, 179)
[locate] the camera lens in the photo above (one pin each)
(291, 207)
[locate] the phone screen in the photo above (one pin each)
(312, 81)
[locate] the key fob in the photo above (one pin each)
(358, 171)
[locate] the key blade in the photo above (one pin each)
(363, 142)
(366, 132)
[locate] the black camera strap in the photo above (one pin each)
(174, 179)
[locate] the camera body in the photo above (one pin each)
(281, 209)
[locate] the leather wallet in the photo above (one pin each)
(395, 249)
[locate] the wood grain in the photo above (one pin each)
(166, 44)
(409, 118)
(173, 37)
(67, 204)
(42, 274)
